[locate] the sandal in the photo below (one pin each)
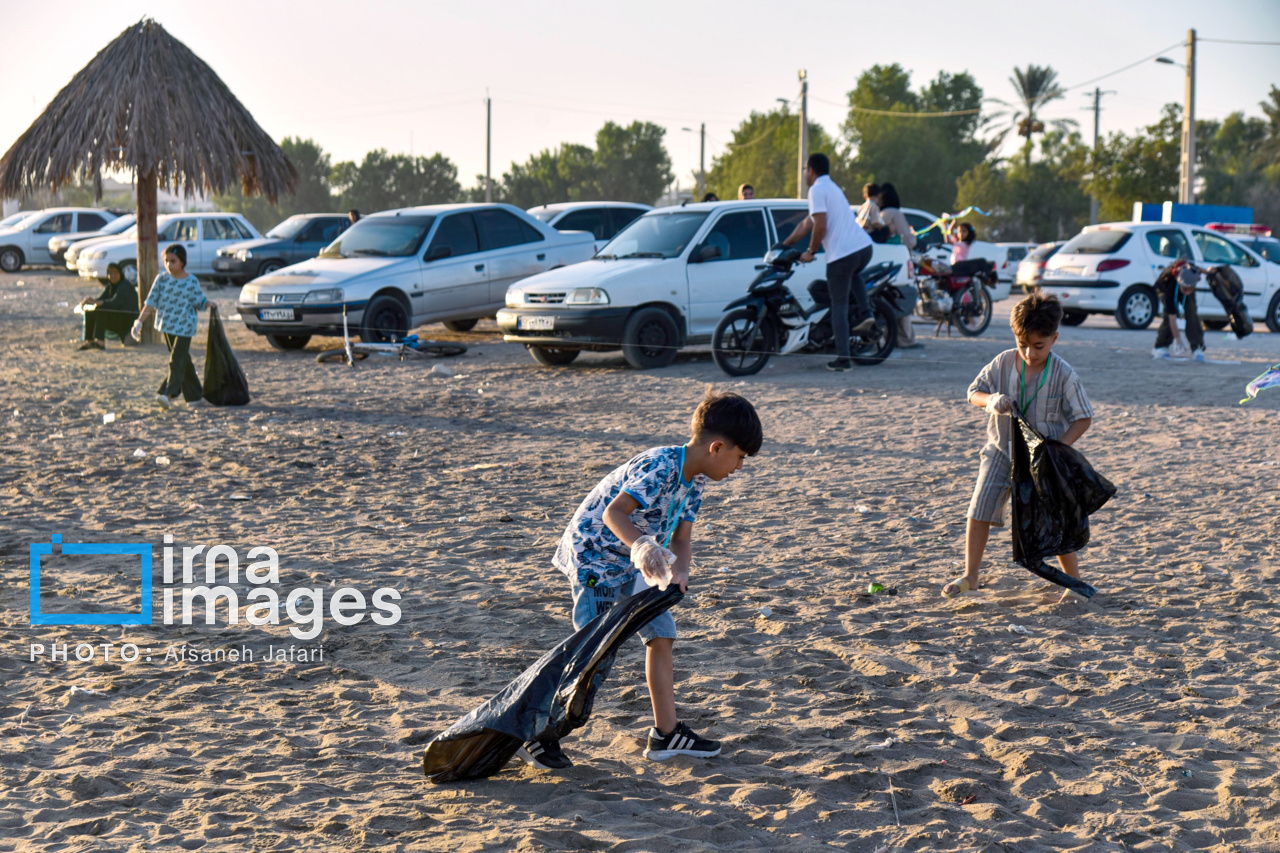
(961, 584)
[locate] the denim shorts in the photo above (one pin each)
(590, 601)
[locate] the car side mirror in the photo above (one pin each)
(705, 253)
(435, 253)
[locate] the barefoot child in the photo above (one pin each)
(174, 300)
(620, 535)
(1046, 392)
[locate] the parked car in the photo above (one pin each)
(662, 283)
(14, 218)
(1013, 253)
(298, 238)
(27, 241)
(603, 219)
(398, 269)
(202, 234)
(1112, 268)
(129, 232)
(931, 243)
(1256, 238)
(59, 245)
(1031, 268)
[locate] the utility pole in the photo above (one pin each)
(802, 189)
(1097, 115)
(702, 163)
(488, 145)
(1187, 174)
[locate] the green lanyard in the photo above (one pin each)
(1022, 392)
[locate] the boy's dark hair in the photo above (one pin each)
(871, 190)
(178, 251)
(820, 164)
(1038, 314)
(730, 417)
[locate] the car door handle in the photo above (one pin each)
(479, 267)
(542, 256)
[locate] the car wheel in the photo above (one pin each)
(268, 267)
(288, 342)
(1214, 325)
(650, 339)
(1137, 307)
(465, 326)
(552, 357)
(129, 271)
(1071, 317)
(386, 320)
(1273, 314)
(10, 259)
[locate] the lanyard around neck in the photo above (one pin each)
(679, 513)
(1022, 392)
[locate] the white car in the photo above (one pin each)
(662, 283)
(59, 245)
(14, 218)
(201, 234)
(27, 241)
(1010, 256)
(395, 270)
(603, 219)
(128, 231)
(932, 244)
(1112, 269)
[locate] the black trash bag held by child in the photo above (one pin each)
(1054, 492)
(549, 699)
(1229, 290)
(224, 382)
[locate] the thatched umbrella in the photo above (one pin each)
(148, 105)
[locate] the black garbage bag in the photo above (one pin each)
(1055, 490)
(549, 699)
(1229, 290)
(224, 382)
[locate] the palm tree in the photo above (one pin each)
(1036, 86)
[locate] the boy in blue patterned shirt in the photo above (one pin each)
(175, 300)
(630, 529)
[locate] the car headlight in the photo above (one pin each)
(587, 296)
(249, 294)
(332, 295)
(515, 297)
(96, 256)
(244, 255)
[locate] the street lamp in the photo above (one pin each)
(702, 159)
(1187, 167)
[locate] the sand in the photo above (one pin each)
(1142, 721)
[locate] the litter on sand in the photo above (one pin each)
(162, 460)
(1269, 378)
(239, 497)
(441, 370)
(884, 744)
(766, 612)
(1019, 629)
(87, 691)
(139, 453)
(109, 418)
(862, 508)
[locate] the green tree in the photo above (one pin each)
(765, 153)
(1036, 87)
(313, 195)
(566, 174)
(921, 157)
(1031, 201)
(631, 162)
(1142, 167)
(385, 181)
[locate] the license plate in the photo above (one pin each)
(222, 265)
(276, 314)
(536, 324)
(1069, 270)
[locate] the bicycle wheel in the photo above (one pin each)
(339, 356)
(433, 349)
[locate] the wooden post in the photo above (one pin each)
(148, 259)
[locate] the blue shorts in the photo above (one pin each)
(590, 601)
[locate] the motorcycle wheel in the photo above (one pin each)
(972, 316)
(876, 346)
(743, 345)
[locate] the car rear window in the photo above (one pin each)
(1096, 243)
(1043, 253)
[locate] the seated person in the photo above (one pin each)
(961, 264)
(113, 311)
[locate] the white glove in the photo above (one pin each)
(653, 561)
(999, 404)
(136, 331)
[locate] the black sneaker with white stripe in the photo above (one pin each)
(682, 741)
(544, 755)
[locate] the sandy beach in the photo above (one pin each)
(1144, 721)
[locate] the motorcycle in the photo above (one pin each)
(957, 296)
(771, 321)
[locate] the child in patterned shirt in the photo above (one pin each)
(619, 537)
(175, 299)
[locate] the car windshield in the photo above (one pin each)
(1269, 249)
(661, 235)
(381, 237)
(12, 221)
(1043, 253)
(544, 215)
(1096, 243)
(288, 229)
(119, 225)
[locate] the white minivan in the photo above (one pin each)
(662, 283)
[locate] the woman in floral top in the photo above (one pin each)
(175, 300)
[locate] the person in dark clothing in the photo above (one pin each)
(353, 215)
(114, 310)
(1177, 287)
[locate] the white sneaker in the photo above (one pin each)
(1160, 352)
(165, 402)
(1198, 355)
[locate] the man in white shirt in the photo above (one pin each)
(848, 249)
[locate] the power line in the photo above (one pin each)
(1234, 41)
(1126, 68)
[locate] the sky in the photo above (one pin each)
(412, 76)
